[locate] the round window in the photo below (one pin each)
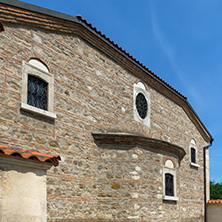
(141, 105)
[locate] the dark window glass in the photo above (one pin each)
(169, 186)
(37, 92)
(193, 155)
(141, 105)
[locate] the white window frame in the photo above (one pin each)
(140, 88)
(170, 170)
(194, 146)
(30, 69)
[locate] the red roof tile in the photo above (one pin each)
(214, 201)
(127, 54)
(29, 154)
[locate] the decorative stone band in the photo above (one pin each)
(29, 154)
(129, 141)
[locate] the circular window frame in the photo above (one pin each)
(141, 105)
(139, 88)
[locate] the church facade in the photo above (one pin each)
(131, 146)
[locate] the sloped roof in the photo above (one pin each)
(214, 201)
(79, 19)
(55, 21)
(29, 154)
(128, 55)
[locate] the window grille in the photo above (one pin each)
(37, 92)
(193, 155)
(169, 185)
(141, 105)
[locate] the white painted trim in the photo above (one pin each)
(173, 172)
(194, 146)
(38, 65)
(194, 165)
(29, 69)
(140, 88)
(36, 110)
(172, 198)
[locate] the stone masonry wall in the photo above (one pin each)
(94, 94)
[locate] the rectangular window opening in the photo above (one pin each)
(37, 92)
(169, 184)
(193, 155)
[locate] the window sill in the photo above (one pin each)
(35, 110)
(171, 198)
(194, 165)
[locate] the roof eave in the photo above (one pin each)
(78, 20)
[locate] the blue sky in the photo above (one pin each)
(181, 41)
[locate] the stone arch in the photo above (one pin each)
(35, 55)
(39, 64)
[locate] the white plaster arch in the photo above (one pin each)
(38, 64)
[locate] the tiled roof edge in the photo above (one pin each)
(130, 57)
(80, 20)
(214, 201)
(39, 9)
(200, 122)
(29, 154)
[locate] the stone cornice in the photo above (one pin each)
(129, 141)
(12, 11)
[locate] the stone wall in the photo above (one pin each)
(92, 93)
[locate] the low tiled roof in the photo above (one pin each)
(214, 201)
(29, 154)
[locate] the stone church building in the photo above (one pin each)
(87, 132)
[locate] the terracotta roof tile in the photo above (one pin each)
(127, 54)
(29, 154)
(214, 201)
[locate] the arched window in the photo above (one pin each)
(169, 181)
(37, 89)
(193, 154)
